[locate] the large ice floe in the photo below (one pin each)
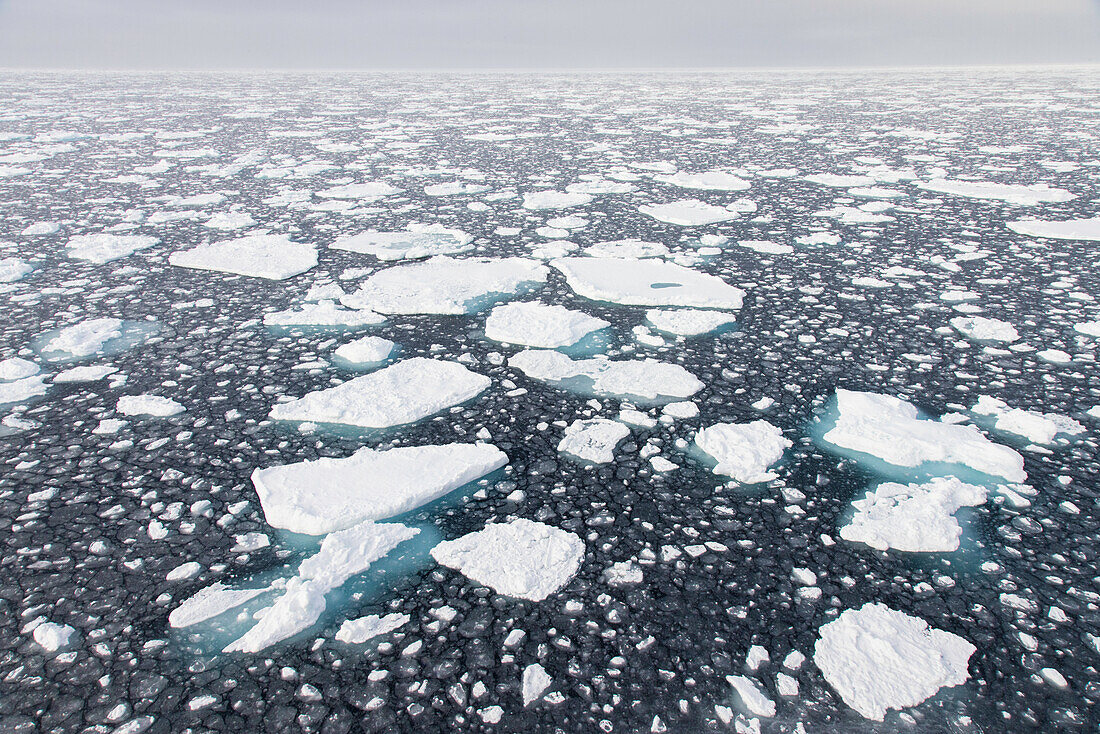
(446, 285)
(1040, 428)
(317, 497)
(211, 602)
(93, 337)
(358, 631)
(13, 269)
(1018, 194)
(271, 256)
(19, 390)
(707, 180)
(980, 328)
(1068, 229)
(540, 325)
(324, 314)
(520, 558)
(368, 350)
(156, 406)
(104, 247)
(343, 554)
(554, 200)
(688, 321)
(689, 212)
(743, 451)
(420, 240)
(402, 393)
(879, 659)
(647, 380)
(892, 430)
(912, 517)
(366, 192)
(647, 283)
(593, 440)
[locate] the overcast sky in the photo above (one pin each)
(367, 34)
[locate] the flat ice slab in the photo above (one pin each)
(879, 659)
(554, 200)
(367, 350)
(420, 240)
(324, 314)
(402, 393)
(918, 518)
(16, 391)
(642, 379)
(1018, 194)
(104, 247)
(13, 269)
(209, 603)
(688, 321)
(152, 405)
(707, 180)
(983, 329)
(744, 451)
(357, 631)
(540, 325)
(1068, 229)
(317, 497)
(892, 430)
(520, 558)
(446, 285)
(647, 283)
(593, 440)
(1041, 428)
(689, 213)
(93, 337)
(271, 256)
(16, 368)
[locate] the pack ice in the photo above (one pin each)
(689, 213)
(984, 329)
(744, 451)
(420, 240)
(104, 247)
(540, 325)
(1018, 194)
(593, 440)
(912, 517)
(879, 659)
(647, 283)
(709, 180)
(271, 256)
(892, 430)
(641, 379)
(323, 314)
(1068, 229)
(317, 497)
(520, 558)
(402, 393)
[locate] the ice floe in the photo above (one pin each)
(520, 558)
(16, 368)
(445, 285)
(912, 517)
(271, 256)
(17, 391)
(743, 451)
(647, 283)
(358, 631)
(210, 602)
(151, 405)
(707, 180)
(13, 269)
(51, 636)
(540, 325)
(104, 247)
(324, 314)
(317, 497)
(1018, 194)
(534, 683)
(985, 329)
(689, 213)
(593, 440)
(554, 200)
(419, 241)
(366, 192)
(688, 322)
(642, 379)
(879, 659)
(402, 393)
(1041, 428)
(754, 699)
(93, 337)
(364, 351)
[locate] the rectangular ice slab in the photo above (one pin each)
(317, 497)
(402, 393)
(640, 379)
(271, 256)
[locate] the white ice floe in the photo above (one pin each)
(446, 285)
(643, 379)
(981, 328)
(912, 517)
(540, 325)
(38, 229)
(85, 373)
(744, 451)
(342, 555)
(1088, 328)
(647, 283)
(367, 350)
(879, 659)
(13, 269)
(893, 431)
(754, 699)
(839, 180)
(402, 393)
(229, 221)
(688, 321)
(317, 497)
(554, 200)
(16, 368)
(534, 683)
(593, 440)
(455, 188)
(17, 391)
(1068, 229)
(707, 180)
(689, 213)
(519, 558)
(51, 636)
(324, 314)
(153, 405)
(627, 249)
(104, 247)
(420, 240)
(358, 631)
(367, 192)
(83, 339)
(1041, 428)
(271, 256)
(766, 247)
(209, 602)
(1019, 194)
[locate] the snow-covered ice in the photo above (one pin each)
(708, 180)
(645, 379)
(1066, 229)
(104, 247)
(593, 440)
(209, 602)
(743, 451)
(324, 314)
(1018, 194)
(540, 325)
(1041, 428)
(647, 282)
(271, 256)
(688, 321)
(365, 350)
(418, 241)
(358, 631)
(52, 636)
(152, 405)
(689, 213)
(981, 328)
(912, 517)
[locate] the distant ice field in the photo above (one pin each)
(537, 402)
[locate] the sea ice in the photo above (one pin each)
(317, 497)
(154, 405)
(52, 636)
(85, 373)
(324, 314)
(1068, 229)
(593, 440)
(707, 180)
(367, 350)
(520, 558)
(271, 256)
(687, 321)
(93, 336)
(892, 430)
(104, 247)
(642, 379)
(912, 517)
(980, 328)
(754, 699)
(878, 659)
(16, 368)
(209, 602)
(535, 682)
(16, 391)
(420, 240)
(13, 269)
(358, 631)
(689, 213)
(369, 191)
(1018, 194)
(1041, 428)
(540, 325)
(445, 285)
(554, 200)
(626, 249)
(402, 393)
(744, 451)
(646, 283)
